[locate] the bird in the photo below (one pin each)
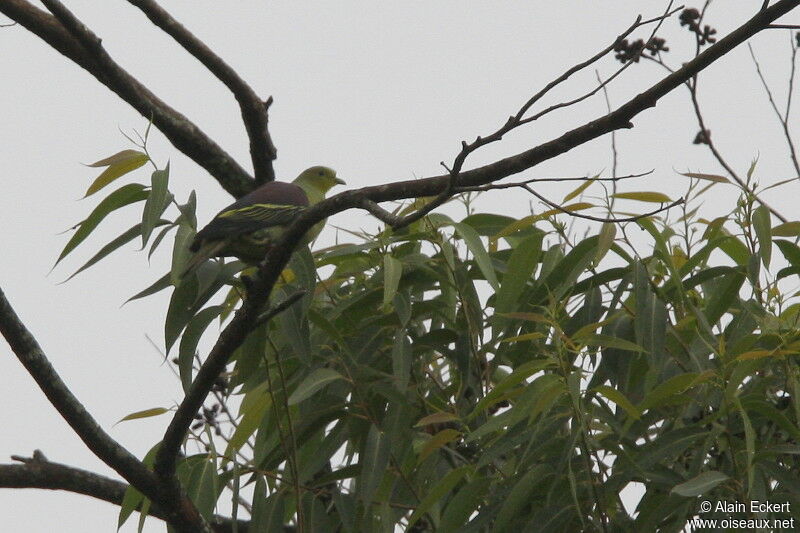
(246, 228)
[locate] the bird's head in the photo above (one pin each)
(318, 178)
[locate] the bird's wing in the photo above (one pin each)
(240, 220)
(265, 215)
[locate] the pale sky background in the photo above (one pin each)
(381, 91)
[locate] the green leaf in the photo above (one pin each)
(435, 418)
(268, 511)
(520, 374)
(643, 196)
(147, 413)
(761, 223)
(157, 202)
(120, 241)
(787, 229)
(463, 504)
(726, 292)
(578, 190)
(180, 252)
(437, 493)
(674, 386)
(159, 285)
(118, 165)
(518, 498)
(373, 461)
(440, 439)
(605, 239)
(180, 310)
(475, 245)
(708, 177)
(392, 272)
(191, 336)
(521, 265)
(312, 383)
(650, 324)
(256, 404)
(700, 484)
(198, 474)
(620, 399)
(125, 195)
(607, 341)
(402, 356)
(130, 502)
(790, 251)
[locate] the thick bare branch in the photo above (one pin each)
(88, 53)
(254, 110)
(38, 473)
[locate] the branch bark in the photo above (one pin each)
(70, 37)
(38, 473)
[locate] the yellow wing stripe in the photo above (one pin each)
(259, 211)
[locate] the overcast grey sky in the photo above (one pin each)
(380, 91)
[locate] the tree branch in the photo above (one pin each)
(38, 473)
(254, 110)
(86, 51)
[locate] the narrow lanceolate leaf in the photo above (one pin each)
(700, 484)
(180, 310)
(607, 341)
(726, 292)
(761, 223)
(708, 177)
(787, 229)
(790, 251)
(475, 245)
(392, 272)
(521, 265)
(613, 395)
(464, 504)
(180, 252)
(436, 418)
(438, 492)
(373, 462)
(578, 190)
(125, 195)
(643, 196)
(147, 413)
(605, 239)
(437, 441)
(118, 165)
(312, 383)
(157, 202)
(159, 285)
(120, 241)
(130, 502)
(188, 346)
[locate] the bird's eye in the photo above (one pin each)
(321, 173)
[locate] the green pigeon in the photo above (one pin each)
(246, 228)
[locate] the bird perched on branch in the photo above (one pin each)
(246, 228)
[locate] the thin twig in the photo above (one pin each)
(554, 205)
(783, 121)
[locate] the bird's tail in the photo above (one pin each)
(205, 252)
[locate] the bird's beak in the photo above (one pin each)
(339, 181)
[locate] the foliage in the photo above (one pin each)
(494, 374)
